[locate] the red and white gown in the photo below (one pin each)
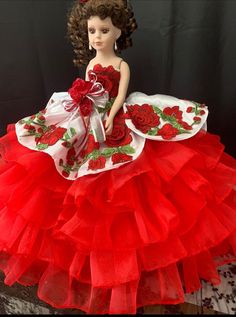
(109, 224)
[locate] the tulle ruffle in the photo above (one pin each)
(141, 234)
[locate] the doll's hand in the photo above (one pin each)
(109, 126)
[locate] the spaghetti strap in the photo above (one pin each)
(120, 63)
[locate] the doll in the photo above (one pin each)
(114, 202)
(94, 127)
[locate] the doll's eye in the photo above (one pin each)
(91, 30)
(104, 31)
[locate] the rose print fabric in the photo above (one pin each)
(71, 127)
(164, 118)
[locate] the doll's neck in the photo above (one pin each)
(105, 56)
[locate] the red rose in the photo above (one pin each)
(173, 112)
(41, 118)
(90, 146)
(106, 83)
(52, 135)
(119, 158)
(99, 163)
(108, 77)
(26, 126)
(168, 132)
(120, 134)
(86, 106)
(79, 89)
(143, 117)
(66, 144)
(202, 112)
(29, 128)
(197, 119)
(70, 154)
(65, 174)
(189, 109)
(70, 162)
(185, 125)
(40, 130)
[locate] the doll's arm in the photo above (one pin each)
(119, 101)
(86, 73)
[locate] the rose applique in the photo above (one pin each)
(108, 77)
(144, 118)
(120, 134)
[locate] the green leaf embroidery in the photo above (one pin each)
(107, 106)
(42, 146)
(31, 132)
(153, 131)
(94, 155)
(109, 152)
(66, 136)
(127, 149)
(172, 120)
(181, 131)
(40, 121)
(72, 132)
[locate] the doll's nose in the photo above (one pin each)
(98, 35)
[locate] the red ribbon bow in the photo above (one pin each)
(82, 93)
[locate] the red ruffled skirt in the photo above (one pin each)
(142, 234)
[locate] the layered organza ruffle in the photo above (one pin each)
(141, 234)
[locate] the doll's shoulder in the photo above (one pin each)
(90, 64)
(121, 64)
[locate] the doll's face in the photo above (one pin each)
(102, 34)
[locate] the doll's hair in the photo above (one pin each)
(121, 14)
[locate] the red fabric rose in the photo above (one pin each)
(189, 109)
(86, 107)
(120, 134)
(143, 117)
(66, 144)
(65, 174)
(120, 158)
(197, 119)
(70, 156)
(168, 132)
(185, 125)
(108, 77)
(173, 112)
(79, 89)
(52, 135)
(202, 112)
(29, 127)
(90, 146)
(99, 163)
(41, 118)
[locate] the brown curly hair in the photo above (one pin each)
(121, 14)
